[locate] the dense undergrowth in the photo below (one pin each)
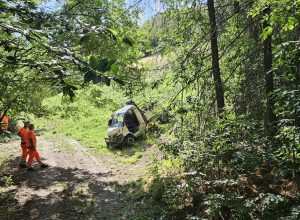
(229, 177)
(233, 174)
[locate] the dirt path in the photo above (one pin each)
(77, 185)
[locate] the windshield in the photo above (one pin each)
(117, 120)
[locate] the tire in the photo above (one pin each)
(129, 140)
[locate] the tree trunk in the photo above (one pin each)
(215, 57)
(297, 81)
(268, 59)
(236, 6)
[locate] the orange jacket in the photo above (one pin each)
(4, 126)
(23, 134)
(30, 140)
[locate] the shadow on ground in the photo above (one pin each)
(58, 193)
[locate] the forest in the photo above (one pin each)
(220, 78)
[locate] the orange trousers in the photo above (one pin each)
(24, 152)
(33, 154)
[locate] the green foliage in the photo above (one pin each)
(224, 167)
(237, 149)
(294, 213)
(51, 50)
(134, 158)
(226, 205)
(8, 181)
(84, 119)
(271, 204)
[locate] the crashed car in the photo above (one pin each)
(127, 125)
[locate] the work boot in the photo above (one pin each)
(22, 165)
(44, 166)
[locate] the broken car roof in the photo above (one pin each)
(124, 109)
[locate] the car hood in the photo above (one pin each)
(112, 131)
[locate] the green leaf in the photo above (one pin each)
(182, 110)
(112, 32)
(128, 41)
(114, 68)
(91, 76)
(290, 27)
(292, 23)
(31, 40)
(103, 65)
(267, 32)
(93, 62)
(68, 89)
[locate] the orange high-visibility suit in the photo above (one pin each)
(23, 134)
(4, 125)
(31, 146)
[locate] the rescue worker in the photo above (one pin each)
(31, 146)
(4, 125)
(23, 135)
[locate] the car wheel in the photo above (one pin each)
(129, 140)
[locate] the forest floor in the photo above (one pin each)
(78, 184)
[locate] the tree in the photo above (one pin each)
(268, 56)
(55, 48)
(215, 57)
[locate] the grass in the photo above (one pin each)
(90, 131)
(131, 154)
(85, 119)
(132, 159)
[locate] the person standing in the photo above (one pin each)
(23, 135)
(31, 144)
(4, 125)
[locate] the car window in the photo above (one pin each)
(117, 120)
